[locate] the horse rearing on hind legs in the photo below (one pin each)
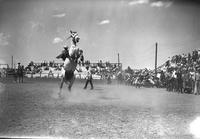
(71, 56)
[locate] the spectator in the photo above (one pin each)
(197, 82)
(179, 81)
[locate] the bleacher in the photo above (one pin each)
(53, 70)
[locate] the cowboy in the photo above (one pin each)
(88, 78)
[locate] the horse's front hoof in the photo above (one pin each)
(59, 95)
(69, 88)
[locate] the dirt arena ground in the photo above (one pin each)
(108, 111)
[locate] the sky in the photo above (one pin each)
(36, 30)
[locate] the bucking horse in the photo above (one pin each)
(71, 56)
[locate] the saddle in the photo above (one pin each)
(64, 55)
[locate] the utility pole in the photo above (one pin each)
(118, 59)
(156, 53)
(12, 62)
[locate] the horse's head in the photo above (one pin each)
(74, 52)
(75, 37)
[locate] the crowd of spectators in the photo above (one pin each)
(3, 72)
(105, 69)
(181, 73)
(138, 77)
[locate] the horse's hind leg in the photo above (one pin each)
(18, 78)
(61, 85)
(71, 83)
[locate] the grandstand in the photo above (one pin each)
(100, 70)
